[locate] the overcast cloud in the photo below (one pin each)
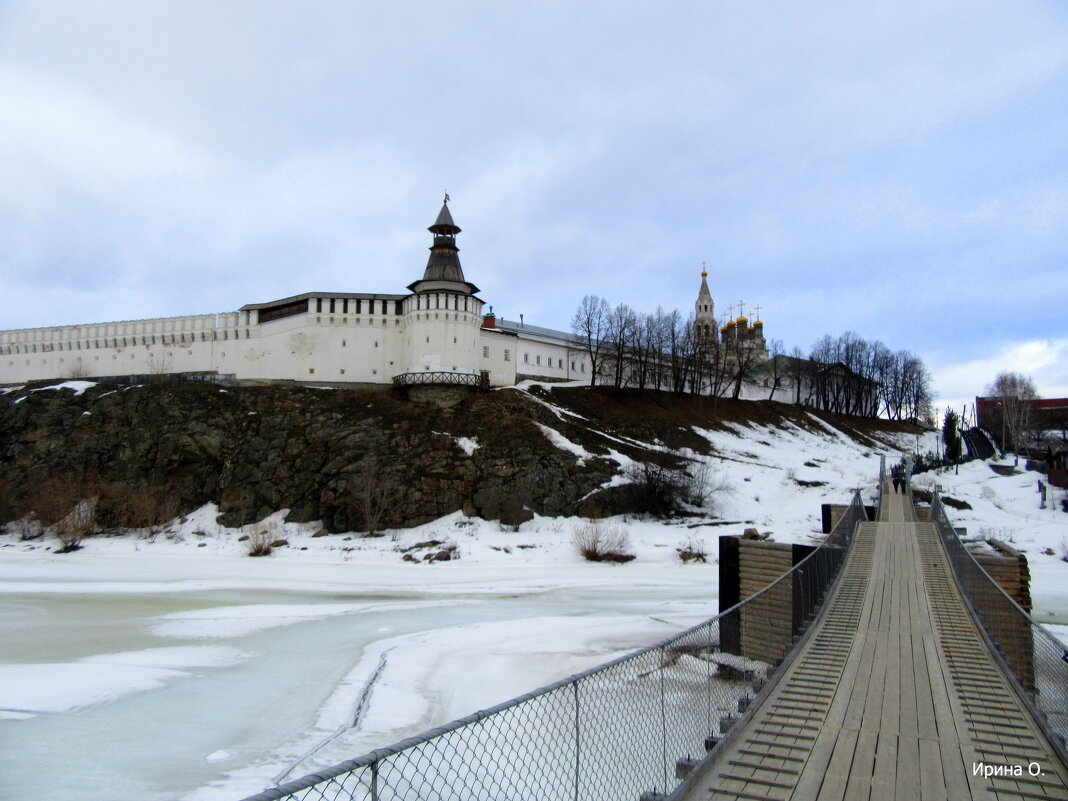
(897, 169)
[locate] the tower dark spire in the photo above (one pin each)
(444, 262)
(444, 224)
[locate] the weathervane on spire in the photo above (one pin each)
(446, 195)
(704, 268)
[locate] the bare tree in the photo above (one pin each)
(797, 373)
(620, 334)
(1015, 394)
(776, 367)
(77, 369)
(677, 342)
(641, 353)
(717, 357)
(373, 496)
(656, 325)
(159, 363)
(590, 327)
(743, 359)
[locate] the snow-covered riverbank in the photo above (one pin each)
(180, 668)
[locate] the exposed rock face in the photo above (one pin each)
(357, 459)
(320, 453)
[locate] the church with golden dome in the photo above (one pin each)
(737, 334)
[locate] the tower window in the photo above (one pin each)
(485, 351)
(507, 355)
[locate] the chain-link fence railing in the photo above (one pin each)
(1036, 659)
(613, 732)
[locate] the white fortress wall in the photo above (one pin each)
(354, 343)
(365, 346)
(193, 343)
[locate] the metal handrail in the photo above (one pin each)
(441, 377)
(1035, 660)
(610, 732)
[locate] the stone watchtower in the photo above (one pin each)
(442, 316)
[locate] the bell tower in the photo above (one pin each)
(705, 309)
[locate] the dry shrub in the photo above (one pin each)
(27, 528)
(76, 525)
(597, 542)
(50, 500)
(9, 506)
(147, 509)
(664, 492)
(67, 507)
(693, 550)
(260, 537)
(514, 507)
(372, 499)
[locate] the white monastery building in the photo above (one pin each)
(436, 333)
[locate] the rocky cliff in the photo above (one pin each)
(353, 458)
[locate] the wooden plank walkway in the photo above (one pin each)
(892, 696)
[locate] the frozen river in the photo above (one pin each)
(212, 694)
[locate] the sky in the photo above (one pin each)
(895, 169)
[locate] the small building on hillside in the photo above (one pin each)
(1048, 416)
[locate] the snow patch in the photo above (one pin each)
(53, 687)
(467, 444)
(237, 621)
(78, 386)
(563, 443)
